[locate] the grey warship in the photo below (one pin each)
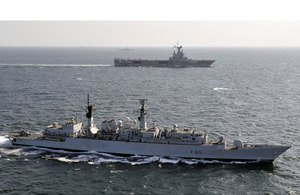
(131, 138)
(178, 60)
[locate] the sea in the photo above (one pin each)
(251, 94)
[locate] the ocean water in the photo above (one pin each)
(250, 94)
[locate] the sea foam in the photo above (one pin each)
(4, 142)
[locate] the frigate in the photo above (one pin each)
(178, 60)
(133, 138)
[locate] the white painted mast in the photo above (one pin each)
(91, 129)
(143, 113)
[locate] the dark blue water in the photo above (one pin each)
(250, 93)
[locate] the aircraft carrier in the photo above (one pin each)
(178, 60)
(131, 138)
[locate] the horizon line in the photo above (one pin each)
(149, 46)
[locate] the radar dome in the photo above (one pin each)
(238, 143)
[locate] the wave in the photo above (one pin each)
(221, 88)
(4, 142)
(97, 158)
(56, 65)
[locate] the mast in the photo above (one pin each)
(90, 128)
(143, 113)
(90, 110)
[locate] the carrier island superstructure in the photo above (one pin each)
(133, 138)
(178, 60)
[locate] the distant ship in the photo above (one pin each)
(129, 138)
(176, 61)
(126, 49)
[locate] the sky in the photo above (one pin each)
(150, 33)
(133, 23)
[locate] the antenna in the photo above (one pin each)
(143, 101)
(142, 118)
(89, 108)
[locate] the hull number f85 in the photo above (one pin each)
(196, 152)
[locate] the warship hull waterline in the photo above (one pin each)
(176, 61)
(114, 137)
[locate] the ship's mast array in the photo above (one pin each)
(116, 130)
(143, 113)
(91, 129)
(179, 56)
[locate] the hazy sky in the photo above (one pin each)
(121, 23)
(150, 33)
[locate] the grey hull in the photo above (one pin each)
(259, 153)
(162, 63)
